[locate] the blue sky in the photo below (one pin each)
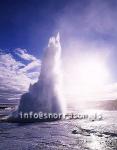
(85, 26)
(28, 23)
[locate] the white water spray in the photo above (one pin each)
(46, 95)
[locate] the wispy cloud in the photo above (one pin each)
(24, 54)
(32, 68)
(16, 76)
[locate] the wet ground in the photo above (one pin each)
(78, 134)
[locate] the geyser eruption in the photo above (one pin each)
(46, 94)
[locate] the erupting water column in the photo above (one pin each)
(46, 95)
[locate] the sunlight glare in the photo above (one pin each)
(87, 77)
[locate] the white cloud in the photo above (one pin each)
(24, 54)
(16, 76)
(33, 65)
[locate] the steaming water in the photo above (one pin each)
(46, 94)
